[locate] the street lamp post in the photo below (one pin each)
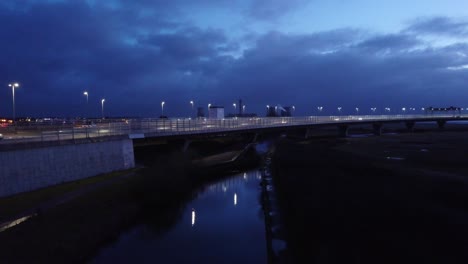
(191, 102)
(86, 110)
(162, 108)
(320, 108)
(86, 93)
(357, 110)
(13, 86)
(339, 109)
(373, 109)
(102, 107)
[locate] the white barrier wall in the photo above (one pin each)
(24, 170)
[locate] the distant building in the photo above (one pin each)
(216, 112)
(200, 112)
(271, 111)
(287, 111)
(278, 110)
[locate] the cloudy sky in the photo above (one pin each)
(137, 53)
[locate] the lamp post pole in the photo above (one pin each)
(162, 108)
(102, 107)
(191, 102)
(13, 86)
(86, 109)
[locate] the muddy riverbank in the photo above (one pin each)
(398, 198)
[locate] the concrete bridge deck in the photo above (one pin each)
(152, 128)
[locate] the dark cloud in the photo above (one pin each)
(138, 53)
(59, 50)
(352, 76)
(188, 44)
(277, 44)
(440, 26)
(392, 43)
(273, 9)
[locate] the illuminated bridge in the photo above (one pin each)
(165, 128)
(35, 155)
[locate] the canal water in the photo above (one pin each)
(224, 223)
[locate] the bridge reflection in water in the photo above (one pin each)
(224, 223)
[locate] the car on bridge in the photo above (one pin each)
(1, 136)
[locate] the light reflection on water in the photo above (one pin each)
(226, 226)
(15, 222)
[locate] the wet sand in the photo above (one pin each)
(399, 198)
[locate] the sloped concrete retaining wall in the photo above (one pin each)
(27, 169)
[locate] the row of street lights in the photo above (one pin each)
(16, 85)
(373, 109)
(319, 108)
(87, 100)
(192, 104)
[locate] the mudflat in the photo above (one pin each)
(396, 198)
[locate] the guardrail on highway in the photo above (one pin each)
(164, 127)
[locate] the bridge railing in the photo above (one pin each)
(163, 127)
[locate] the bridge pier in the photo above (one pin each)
(255, 138)
(377, 129)
(343, 130)
(308, 132)
(441, 123)
(186, 145)
(410, 125)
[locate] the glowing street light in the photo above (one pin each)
(86, 93)
(162, 108)
(13, 86)
(320, 108)
(102, 107)
(243, 108)
(191, 102)
(193, 217)
(403, 109)
(235, 106)
(373, 109)
(339, 109)
(357, 110)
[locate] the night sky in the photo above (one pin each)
(137, 53)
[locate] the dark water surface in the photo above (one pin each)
(222, 224)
